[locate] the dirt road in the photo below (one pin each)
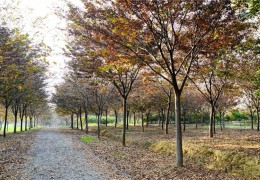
(54, 155)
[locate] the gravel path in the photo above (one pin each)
(54, 156)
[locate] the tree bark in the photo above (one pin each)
(15, 119)
(98, 123)
(257, 114)
(77, 120)
(124, 121)
(26, 122)
(134, 119)
(86, 120)
(72, 121)
(127, 119)
(252, 118)
(106, 116)
(163, 118)
(184, 123)
(212, 114)
(30, 122)
(179, 152)
(142, 121)
(6, 116)
(168, 113)
(116, 115)
(147, 119)
(80, 119)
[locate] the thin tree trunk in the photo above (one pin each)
(258, 123)
(77, 120)
(72, 121)
(15, 119)
(214, 123)
(142, 121)
(147, 119)
(196, 119)
(124, 122)
(211, 121)
(116, 115)
(98, 123)
(86, 120)
(80, 119)
(6, 116)
(127, 119)
(163, 118)
(30, 125)
(106, 116)
(220, 120)
(179, 151)
(134, 119)
(168, 114)
(252, 118)
(26, 122)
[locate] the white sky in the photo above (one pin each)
(39, 18)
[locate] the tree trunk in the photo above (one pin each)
(220, 120)
(212, 114)
(26, 122)
(106, 116)
(21, 114)
(6, 116)
(80, 119)
(179, 152)
(257, 114)
(252, 118)
(77, 120)
(184, 123)
(34, 122)
(15, 119)
(124, 121)
(134, 119)
(72, 121)
(163, 118)
(196, 119)
(116, 115)
(30, 125)
(168, 114)
(127, 119)
(214, 123)
(86, 120)
(142, 121)
(147, 119)
(98, 123)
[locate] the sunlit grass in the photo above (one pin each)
(89, 139)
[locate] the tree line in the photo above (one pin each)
(22, 79)
(164, 57)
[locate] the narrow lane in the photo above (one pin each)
(53, 156)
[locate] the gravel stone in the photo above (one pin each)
(54, 156)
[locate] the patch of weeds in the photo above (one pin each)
(163, 147)
(119, 154)
(104, 133)
(89, 139)
(231, 162)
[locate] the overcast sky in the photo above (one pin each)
(39, 19)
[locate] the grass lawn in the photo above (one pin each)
(18, 129)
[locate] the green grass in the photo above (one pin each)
(89, 139)
(18, 129)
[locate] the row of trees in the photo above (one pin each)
(21, 78)
(147, 52)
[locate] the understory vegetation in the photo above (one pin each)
(232, 151)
